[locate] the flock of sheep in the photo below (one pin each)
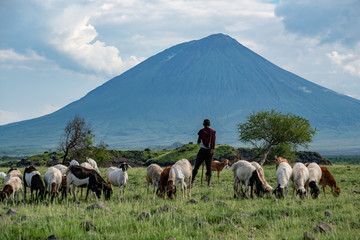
(63, 179)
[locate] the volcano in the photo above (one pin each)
(165, 98)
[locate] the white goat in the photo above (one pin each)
(74, 162)
(314, 179)
(90, 165)
(153, 173)
(2, 175)
(62, 168)
(87, 165)
(93, 164)
(11, 188)
(283, 174)
(245, 173)
(179, 173)
(300, 176)
(267, 188)
(118, 177)
(52, 179)
(13, 172)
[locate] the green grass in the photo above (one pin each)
(221, 217)
(188, 151)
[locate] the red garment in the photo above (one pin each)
(207, 136)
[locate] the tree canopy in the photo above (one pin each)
(267, 129)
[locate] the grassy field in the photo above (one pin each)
(215, 215)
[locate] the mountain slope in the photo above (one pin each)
(165, 98)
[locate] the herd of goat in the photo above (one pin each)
(63, 179)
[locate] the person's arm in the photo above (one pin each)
(212, 147)
(213, 138)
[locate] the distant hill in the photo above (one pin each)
(165, 99)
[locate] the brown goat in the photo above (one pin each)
(219, 166)
(328, 180)
(63, 187)
(33, 180)
(279, 160)
(164, 176)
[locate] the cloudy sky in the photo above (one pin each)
(54, 52)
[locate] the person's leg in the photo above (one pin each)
(198, 162)
(208, 161)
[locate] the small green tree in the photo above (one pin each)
(267, 129)
(77, 137)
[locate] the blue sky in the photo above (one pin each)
(54, 52)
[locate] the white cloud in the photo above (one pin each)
(74, 36)
(74, 29)
(9, 55)
(347, 62)
(48, 109)
(8, 117)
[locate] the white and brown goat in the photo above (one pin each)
(13, 172)
(32, 179)
(78, 175)
(266, 188)
(245, 173)
(11, 189)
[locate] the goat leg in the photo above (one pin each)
(189, 187)
(96, 199)
(24, 192)
(73, 191)
(154, 191)
(12, 197)
(87, 193)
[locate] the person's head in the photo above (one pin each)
(206, 123)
